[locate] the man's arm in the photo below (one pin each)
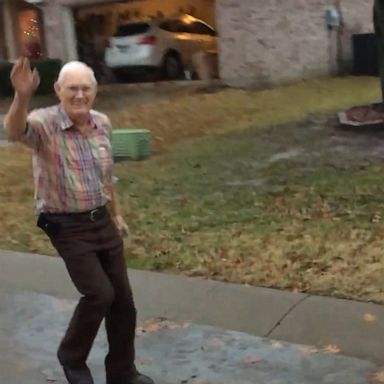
(15, 121)
(115, 212)
(25, 82)
(113, 204)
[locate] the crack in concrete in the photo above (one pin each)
(290, 310)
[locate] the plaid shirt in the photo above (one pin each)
(72, 172)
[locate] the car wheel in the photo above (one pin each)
(172, 67)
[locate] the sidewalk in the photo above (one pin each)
(37, 299)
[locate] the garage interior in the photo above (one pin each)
(95, 24)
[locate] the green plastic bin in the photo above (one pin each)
(131, 144)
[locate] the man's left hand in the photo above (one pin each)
(121, 225)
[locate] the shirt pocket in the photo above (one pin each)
(80, 163)
(80, 157)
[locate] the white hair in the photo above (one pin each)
(74, 66)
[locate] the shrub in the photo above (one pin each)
(5, 83)
(48, 70)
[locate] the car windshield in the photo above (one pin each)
(132, 29)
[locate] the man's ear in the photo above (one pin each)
(57, 88)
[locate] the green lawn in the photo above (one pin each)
(270, 193)
(229, 208)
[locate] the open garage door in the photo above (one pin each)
(145, 40)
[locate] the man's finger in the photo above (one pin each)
(26, 65)
(16, 67)
(125, 231)
(36, 78)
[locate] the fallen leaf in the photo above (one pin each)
(308, 349)
(143, 361)
(379, 376)
(369, 318)
(150, 327)
(49, 376)
(171, 325)
(251, 360)
(215, 342)
(155, 325)
(199, 381)
(331, 348)
(376, 218)
(276, 345)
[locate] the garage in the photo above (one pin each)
(147, 39)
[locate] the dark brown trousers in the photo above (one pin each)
(93, 254)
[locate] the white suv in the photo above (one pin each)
(167, 44)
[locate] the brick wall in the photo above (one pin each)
(265, 42)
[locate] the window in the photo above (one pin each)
(174, 26)
(178, 26)
(199, 28)
(132, 29)
(30, 33)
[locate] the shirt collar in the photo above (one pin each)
(66, 123)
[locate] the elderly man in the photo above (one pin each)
(76, 207)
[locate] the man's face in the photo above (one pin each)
(77, 93)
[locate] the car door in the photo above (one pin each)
(188, 44)
(193, 36)
(204, 35)
(178, 38)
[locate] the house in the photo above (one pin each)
(274, 41)
(60, 26)
(260, 42)
(47, 24)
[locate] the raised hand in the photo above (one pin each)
(23, 79)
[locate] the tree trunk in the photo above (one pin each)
(378, 21)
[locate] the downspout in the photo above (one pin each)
(339, 44)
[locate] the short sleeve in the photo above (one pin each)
(34, 134)
(107, 125)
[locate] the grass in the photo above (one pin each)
(186, 116)
(267, 193)
(224, 209)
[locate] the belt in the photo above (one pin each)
(93, 215)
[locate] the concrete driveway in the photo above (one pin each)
(183, 334)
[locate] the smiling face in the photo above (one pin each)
(76, 91)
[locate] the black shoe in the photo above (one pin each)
(137, 379)
(81, 375)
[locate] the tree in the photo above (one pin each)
(378, 21)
